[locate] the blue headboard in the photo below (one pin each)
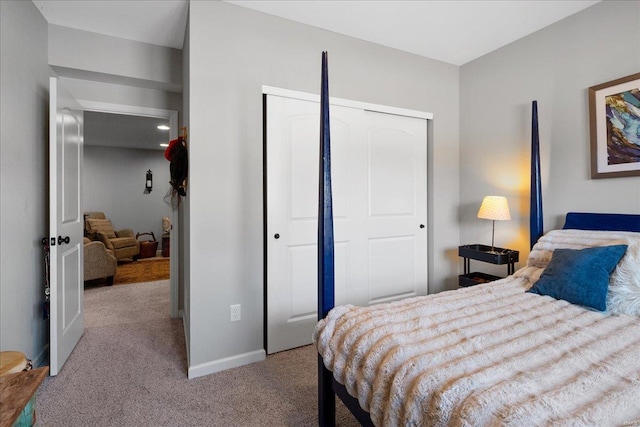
(602, 221)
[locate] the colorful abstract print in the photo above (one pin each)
(623, 127)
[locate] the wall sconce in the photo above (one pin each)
(148, 186)
(494, 208)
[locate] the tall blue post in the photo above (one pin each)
(535, 214)
(326, 397)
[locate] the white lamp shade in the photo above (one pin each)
(495, 208)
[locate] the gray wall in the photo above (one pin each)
(24, 71)
(83, 54)
(113, 180)
(113, 74)
(233, 52)
(555, 66)
(24, 84)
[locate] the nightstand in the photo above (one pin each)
(498, 256)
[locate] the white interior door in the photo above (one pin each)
(65, 224)
(396, 186)
(379, 200)
(292, 215)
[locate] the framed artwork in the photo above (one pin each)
(614, 121)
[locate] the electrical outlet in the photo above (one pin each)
(235, 313)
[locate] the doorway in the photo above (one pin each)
(151, 115)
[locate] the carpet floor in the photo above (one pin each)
(129, 369)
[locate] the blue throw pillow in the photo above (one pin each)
(580, 276)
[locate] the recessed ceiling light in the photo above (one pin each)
(164, 127)
(164, 144)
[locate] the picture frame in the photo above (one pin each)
(614, 123)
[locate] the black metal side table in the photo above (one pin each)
(484, 253)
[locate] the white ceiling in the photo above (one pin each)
(454, 31)
(451, 31)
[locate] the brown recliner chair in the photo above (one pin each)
(122, 243)
(98, 262)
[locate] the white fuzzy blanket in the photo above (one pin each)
(490, 354)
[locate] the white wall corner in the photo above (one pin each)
(185, 325)
(42, 359)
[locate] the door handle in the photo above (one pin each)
(276, 236)
(421, 225)
(62, 240)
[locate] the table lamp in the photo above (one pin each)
(494, 208)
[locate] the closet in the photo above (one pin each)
(379, 179)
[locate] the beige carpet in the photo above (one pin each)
(129, 369)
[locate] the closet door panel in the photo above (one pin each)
(378, 164)
(292, 152)
(396, 153)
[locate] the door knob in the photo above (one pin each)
(276, 236)
(62, 240)
(421, 225)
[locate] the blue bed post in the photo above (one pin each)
(326, 397)
(535, 215)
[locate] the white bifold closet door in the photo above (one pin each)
(379, 180)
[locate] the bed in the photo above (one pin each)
(557, 342)
(495, 354)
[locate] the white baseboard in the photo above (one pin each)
(226, 363)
